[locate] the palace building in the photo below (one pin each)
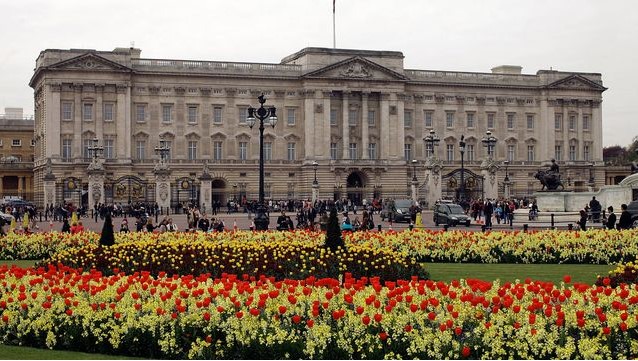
(16, 155)
(359, 114)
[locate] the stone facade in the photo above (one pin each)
(360, 114)
(16, 154)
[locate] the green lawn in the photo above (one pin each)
(19, 263)
(30, 353)
(584, 273)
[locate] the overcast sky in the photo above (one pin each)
(456, 35)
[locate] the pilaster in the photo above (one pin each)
(345, 126)
(365, 134)
(385, 125)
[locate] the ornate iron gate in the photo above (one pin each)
(451, 185)
(185, 192)
(129, 190)
(70, 190)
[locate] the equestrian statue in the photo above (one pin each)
(550, 179)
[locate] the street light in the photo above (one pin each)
(432, 140)
(489, 141)
(462, 187)
(95, 150)
(270, 117)
(314, 166)
(507, 178)
(414, 170)
(162, 151)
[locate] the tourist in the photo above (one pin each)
(611, 218)
(625, 218)
(582, 222)
(66, 227)
(595, 207)
(124, 226)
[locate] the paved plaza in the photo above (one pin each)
(243, 222)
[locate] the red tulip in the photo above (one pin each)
(383, 336)
(255, 312)
(239, 314)
(466, 351)
(366, 320)
(567, 279)
(69, 312)
(606, 330)
(282, 309)
(310, 323)
(296, 319)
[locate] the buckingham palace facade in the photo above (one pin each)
(359, 114)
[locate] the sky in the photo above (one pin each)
(455, 35)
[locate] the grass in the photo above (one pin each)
(30, 353)
(585, 273)
(19, 263)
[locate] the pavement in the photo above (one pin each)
(243, 222)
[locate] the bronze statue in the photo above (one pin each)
(550, 179)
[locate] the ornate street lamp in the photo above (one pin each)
(489, 141)
(506, 181)
(95, 150)
(270, 117)
(507, 178)
(414, 162)
(314, 166)
(432, 140)
(162, 151)
(462, 187)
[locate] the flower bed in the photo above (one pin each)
(550, 246)
(241, 317)
(623, 274)
(281, 259)
(593, 246)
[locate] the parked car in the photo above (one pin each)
(397, 210)
(450, 214)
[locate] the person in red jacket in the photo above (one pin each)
(77, 228)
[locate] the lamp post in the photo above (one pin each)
(95, 150)
(506, 181)
(462, 186)
(432, 140)
(270, 117)
(162, 150)
(415, 181)
(315, 183)
(489, 141)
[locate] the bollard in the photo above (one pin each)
(483, 228)
(525, 226)
(411, 226)
(552, 221)
(40, 216)
(570, 227)
(379, 227)
(445, 227)
(156, 217)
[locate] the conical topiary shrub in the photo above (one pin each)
(333, 232)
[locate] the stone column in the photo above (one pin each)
(309, 125)
(96, 187)
(400, 135)
(49, 189)
(206, 192)
(163, 187)
(507, 192)
(20, 185)
(433, 181)
(490, 184)
(345, 126)
(364, 126)
(326, 140)
(385, 126)
(315, 192)
(123, 124)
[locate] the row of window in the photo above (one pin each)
(141, 115)
(17, 142)
(192, 149)
(470, 152)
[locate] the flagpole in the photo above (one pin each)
(334, 36)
